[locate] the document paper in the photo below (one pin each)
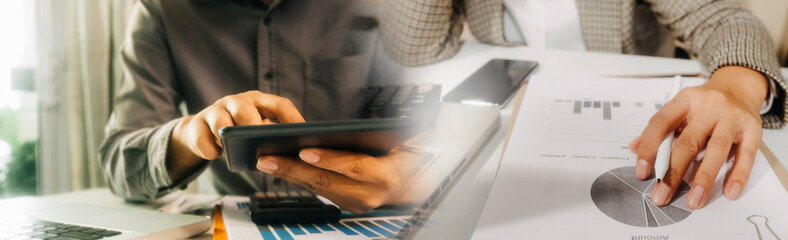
(235, 211)
(567, 172)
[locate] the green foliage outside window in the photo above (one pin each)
(19, 176)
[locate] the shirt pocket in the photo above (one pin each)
(333, 84)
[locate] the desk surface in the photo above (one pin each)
(457, 216)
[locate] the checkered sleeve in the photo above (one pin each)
(485, 21)
(722, 33)
(418, 32)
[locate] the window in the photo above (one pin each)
(18, 101)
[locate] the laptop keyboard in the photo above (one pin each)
(35, 229)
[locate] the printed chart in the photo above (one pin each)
(386, 223)
(624, 198)
(604, 125)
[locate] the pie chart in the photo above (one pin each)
(621, 196)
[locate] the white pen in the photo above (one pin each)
(662, 163)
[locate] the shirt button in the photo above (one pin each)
(269, 76)
(267, 21)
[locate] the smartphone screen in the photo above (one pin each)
(493, 84)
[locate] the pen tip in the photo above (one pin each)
(659, 180)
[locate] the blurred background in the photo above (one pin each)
(58, 66)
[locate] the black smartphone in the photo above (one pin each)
(493, 84)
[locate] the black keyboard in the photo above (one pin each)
(36, 229)
(284, 207)
(397, 101)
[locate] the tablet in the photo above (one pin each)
(244, 144)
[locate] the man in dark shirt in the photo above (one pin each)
(242, 62)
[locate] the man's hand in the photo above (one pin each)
(197, 137)
(354, 181)
(719, 115)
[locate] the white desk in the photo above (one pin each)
(456, 217)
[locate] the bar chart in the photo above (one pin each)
(596, 106)
(381, 223)
(605, 125)
(362, 228)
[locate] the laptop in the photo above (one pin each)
(61, 218)
(458, 134)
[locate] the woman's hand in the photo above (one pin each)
(354, 181)
(197, 137)
(720, 115)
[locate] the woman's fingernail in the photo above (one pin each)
(641, 170)
(695, 197)
(309, 156)
(735, 191)
(267, 166)
(660, 196)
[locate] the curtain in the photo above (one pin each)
(98, 28)
(79, 41)
(89, 53)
